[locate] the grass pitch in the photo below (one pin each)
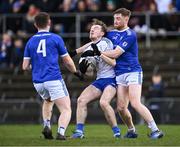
(95, 135)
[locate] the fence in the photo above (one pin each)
(80, 20)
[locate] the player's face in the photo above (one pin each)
(120, 21)
(96, 32)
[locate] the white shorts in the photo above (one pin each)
(51, 89)
(129, 78)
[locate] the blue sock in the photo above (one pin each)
(115, 129)
(80, 127)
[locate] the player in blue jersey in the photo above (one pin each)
(104, 87)
(128, 71)
(42, 52)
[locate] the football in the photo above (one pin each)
(92, 65)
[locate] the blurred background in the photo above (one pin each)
(157, 23)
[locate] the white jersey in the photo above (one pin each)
(103, 69)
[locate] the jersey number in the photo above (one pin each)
(42, 47)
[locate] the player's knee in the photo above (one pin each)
(103, 104)
(121, 108)
(135, 103)
(81, 101)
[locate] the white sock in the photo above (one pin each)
(152, 125)
(132, 129)
(61, 130)
(47, 123)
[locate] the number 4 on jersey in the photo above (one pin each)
(42, 47)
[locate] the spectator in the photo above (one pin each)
(6, 47)
(81, 6)
(110, 5)
(93, 5)
(66, 6)
(17, 6)
(157, 87)
(29, 20)
(156, 90)
(164, 6)
(18, 52)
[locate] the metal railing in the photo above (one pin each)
(78, 34)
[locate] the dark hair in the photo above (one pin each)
(99, 22)
(41, 19)
(123, 11)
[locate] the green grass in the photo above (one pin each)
(96, 135)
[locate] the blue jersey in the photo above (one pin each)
(127, 41)
(43, 50)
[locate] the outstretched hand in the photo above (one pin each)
(95, 49)
(83, 66)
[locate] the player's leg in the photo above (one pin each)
(134, 80)
(135, 96)
(106, 97)
(46, 110)
(89, 94)
(59, 94)
(122, 107)
(64, 106)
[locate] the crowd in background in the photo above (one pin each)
(22, 6)
(12, 42)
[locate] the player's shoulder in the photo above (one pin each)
(105, 44)
(130, 32)
(111, 32)
(105, 40)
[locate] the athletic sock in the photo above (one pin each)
(115, 130)
(152, 125)
(61, 131)
(132, 129)
(80, 127)
(46, 123)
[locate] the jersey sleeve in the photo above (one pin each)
(61, 47)
(126, 42)
(27, 52)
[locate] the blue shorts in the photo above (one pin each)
(102, 83)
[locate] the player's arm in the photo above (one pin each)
(110, 53)
(26, 64)
(118, 51)
(108, 60)
(69, 64)
(27, 58)
(79, 50)
(82, 48)
(121, 47)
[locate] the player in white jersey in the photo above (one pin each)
(42, 51)
(104, 86)
(128, 70)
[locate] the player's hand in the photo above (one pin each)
(95, 49)
(88, 53)
(79, 75)
(72, 53)
(83, 66)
